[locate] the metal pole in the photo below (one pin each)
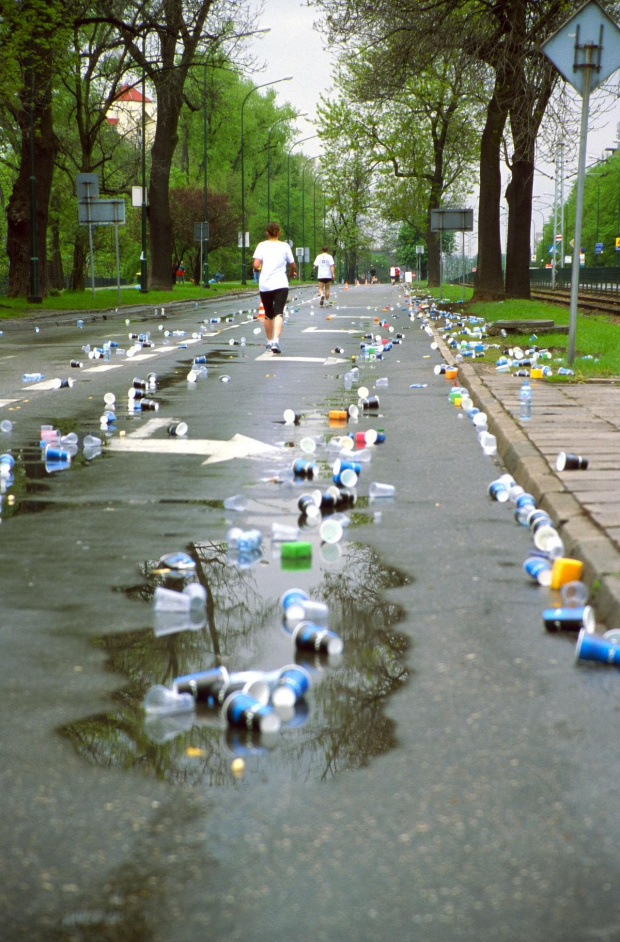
(463, 265)
(204, 251)
(143, 262)
(440, 264)
(118, 265)
(92, 254)
(555, 224)
(581, 168)
(562, 243)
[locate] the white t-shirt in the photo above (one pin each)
(324, 264)
(274, 257)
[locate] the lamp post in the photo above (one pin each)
(303, 214)
(143, 264)
(279, 121)
(204, 248)
(251, 92)
(288, 183)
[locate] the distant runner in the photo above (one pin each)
(326, 272)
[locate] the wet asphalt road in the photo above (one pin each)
(455, 776)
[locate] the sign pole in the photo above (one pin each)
(581, 175)
(118, 265)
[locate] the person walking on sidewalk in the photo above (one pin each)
(271, 259)
(326, 272)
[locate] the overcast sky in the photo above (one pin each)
(293, 47)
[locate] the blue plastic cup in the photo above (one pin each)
(569, 619)
(592, 648)
(292, 685)
(241, 709)
(539, 569)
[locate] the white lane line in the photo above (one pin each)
(7, 402)
(103, 368)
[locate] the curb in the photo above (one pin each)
(583, 538)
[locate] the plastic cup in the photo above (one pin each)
(238, 502)
(574, 594)
(331, 530)
(565, 570)
(6, 425)
(378, 490)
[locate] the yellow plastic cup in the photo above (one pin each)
(565, 570)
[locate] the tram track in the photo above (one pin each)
(588, 302)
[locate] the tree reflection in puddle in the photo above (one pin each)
(341, 726)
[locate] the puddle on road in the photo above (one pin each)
(342, 724)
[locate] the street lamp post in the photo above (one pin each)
(279, 121)
(303, 214)
(288, 182)
(251, 92)
(204, 243)
(143, 263)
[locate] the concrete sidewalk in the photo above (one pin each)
(583, 418)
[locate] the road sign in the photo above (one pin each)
(617, 243)
(240, 240)
(136, 196)
(598, 248)
(201, 232)
(87, 186)
(452, 220)
(590, 31)
(419, 250)
(299, 251)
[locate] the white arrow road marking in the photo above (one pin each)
(327, 330)
(7, 402)
(153, 425)
(280, 359)
(239, 446)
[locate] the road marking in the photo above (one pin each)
(7, 402)
(239, 446)
(103, 368)
(153, 425)
(281, 359)
(327, 330)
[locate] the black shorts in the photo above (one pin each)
(273, 302)
(325, 281)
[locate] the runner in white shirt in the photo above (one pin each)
(326, 272)
(270, 259)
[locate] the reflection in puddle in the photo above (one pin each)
(340, 726)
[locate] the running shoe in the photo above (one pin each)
(321, 301)
(275, 347)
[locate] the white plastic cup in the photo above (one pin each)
(6, 425)
(169, 600)
(378, 490)
(331, 530)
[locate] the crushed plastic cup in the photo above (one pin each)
(574, 594)
(376, 489)
(225, 378)
(237, 502)
(160, 700)
(169, 600)
(282, 532)
(488, 443)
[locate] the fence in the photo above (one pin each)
(594, 279)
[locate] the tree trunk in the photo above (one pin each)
(80, 255)
(44, 145)
(489, 283)
(169, 102)
(519, 198)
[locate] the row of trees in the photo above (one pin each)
(64, 65)
(428, 88)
